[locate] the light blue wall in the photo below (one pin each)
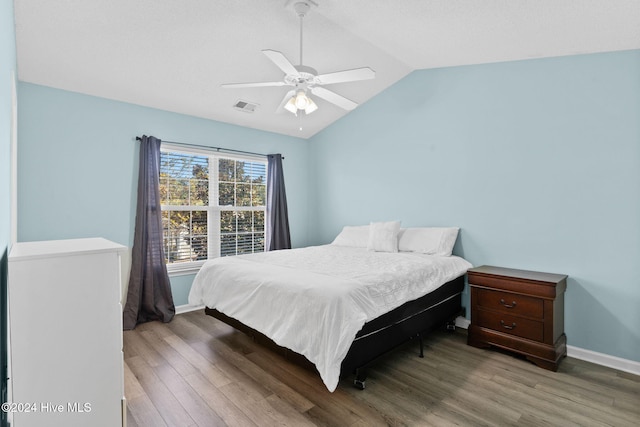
(180, 287)
(537, 161)
(78, 164)
(7, 72)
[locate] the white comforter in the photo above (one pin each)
(315, 300)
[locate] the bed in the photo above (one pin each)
(344, 304)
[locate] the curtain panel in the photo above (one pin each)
(278, 236)
(149, 294)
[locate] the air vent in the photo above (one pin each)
(245, 106)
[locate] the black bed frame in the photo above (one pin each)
(412, 320)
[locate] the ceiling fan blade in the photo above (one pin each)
(333, 98)
(258, 84)
(365, 73)
(286, 99)
(281, 61)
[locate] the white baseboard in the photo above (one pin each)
(187, 308)
(602, 359)
(614, 362)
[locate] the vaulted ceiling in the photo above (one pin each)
(174, 55)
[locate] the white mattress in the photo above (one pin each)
(315, 300)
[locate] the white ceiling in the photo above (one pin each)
(174, 55)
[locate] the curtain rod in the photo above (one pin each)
(212, 148)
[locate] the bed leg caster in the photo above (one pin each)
(359, 384)
(421, 346)
(451, 326)
(361, 376)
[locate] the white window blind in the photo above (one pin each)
(212, 205)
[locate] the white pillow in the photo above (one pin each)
(428, 240)
(383, 236)
(354, 236)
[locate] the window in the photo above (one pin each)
(212, 205)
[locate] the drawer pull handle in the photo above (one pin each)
(513, 303)
(504, 325)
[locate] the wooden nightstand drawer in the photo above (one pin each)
(513, 304)
(512, 325)
(518, 281)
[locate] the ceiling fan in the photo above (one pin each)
(305, 80)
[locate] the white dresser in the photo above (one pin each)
(65, 320)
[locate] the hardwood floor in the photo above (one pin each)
(197, 371)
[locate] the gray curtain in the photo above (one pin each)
(277, 215)
(149, 294)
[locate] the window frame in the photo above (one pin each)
(213, 209)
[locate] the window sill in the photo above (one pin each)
(184, 269)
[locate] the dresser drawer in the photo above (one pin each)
(510, 303)
(512, 325)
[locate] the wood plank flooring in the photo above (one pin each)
(197, 371)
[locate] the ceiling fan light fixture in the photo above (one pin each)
(301, 100)
(311, 107)
(291, 106)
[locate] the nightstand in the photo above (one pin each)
(520, 311)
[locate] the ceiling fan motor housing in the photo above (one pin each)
(306, 76)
